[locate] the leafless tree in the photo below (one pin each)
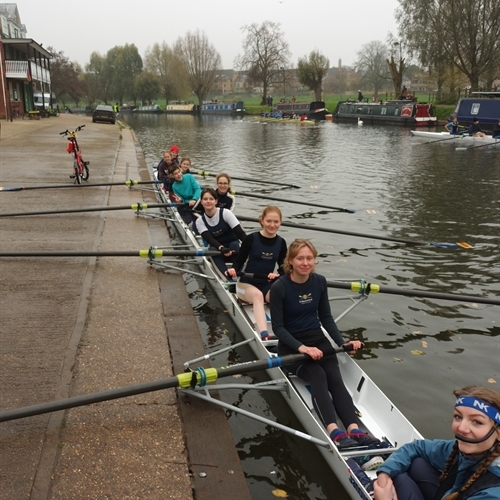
(266, 55)
(372, 62)
(311, 70)
(200, 61)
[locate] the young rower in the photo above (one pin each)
(453, 126)
(186, 190)
(163, 167)
(465, 467)
(219, 227)
(475, 130)
(299, 308)
(260, 253)
(174, 152)
(496, 130)
(185, 165)
(226, 199)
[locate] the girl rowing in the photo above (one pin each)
(225, 198)
(299, 308)
(219, 227)
(260, 253)
(185, 165)
(465, 467)
(186, 190)
(163, 167)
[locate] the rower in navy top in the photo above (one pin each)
(219, 227)
(226, 199)
(299, 308)
(496, 130)
(260, 253)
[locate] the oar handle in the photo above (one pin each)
(257, 276)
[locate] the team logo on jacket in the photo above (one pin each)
(306, 298)
(267, 255)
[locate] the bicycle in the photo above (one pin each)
(81, 169)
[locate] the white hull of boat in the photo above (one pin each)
(379, 416)
(446, 136)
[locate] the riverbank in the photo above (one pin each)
(74, 326)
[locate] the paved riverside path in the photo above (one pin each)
(72, 326)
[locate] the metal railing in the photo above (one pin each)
(19, 69)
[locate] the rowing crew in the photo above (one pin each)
(474, 130)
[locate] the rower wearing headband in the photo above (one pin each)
(467, 467)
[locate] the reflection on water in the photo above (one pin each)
(426, 192)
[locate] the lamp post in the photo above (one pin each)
(284, 82)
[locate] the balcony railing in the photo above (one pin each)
(19, 69)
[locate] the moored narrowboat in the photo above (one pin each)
(485, 106)
(313, 110)
(223, 108)
(178, 108)
(152, 108)
(400, 112)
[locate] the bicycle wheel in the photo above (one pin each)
(78, 173)
(86, 172)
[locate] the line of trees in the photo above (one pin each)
(448, 38)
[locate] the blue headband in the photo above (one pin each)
(479, 405)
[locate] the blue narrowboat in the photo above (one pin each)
(313, 110)
(485, 106)
(223, 108)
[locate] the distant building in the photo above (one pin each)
(24, 66)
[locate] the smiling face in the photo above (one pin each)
(185, 166)
(167, 157)
(208, 202)
(222, 185)
(473, 424)
(270, 223)
(177, 174)
(302, 264)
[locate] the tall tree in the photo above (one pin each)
(397, 63)
(161, 61)
(311, 70)
(468, 33)
(147, 87)
(64, 76)
(199, 60)
(266, 55)
(372, 63)
(93, 81)
(123, 65)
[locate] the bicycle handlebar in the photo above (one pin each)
(77, 129)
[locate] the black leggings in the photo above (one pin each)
(420, 482)
(327, 387)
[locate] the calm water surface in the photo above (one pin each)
(401, 188)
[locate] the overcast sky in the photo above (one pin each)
(338, 29)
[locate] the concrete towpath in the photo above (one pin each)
(71, 326)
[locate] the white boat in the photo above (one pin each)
(459, 138)
(378, 415)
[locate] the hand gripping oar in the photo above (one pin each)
(150, 253)
(199, 377)
(365, 288)
(260, 181)
(129, 183)
(459, 244)
(137, 207)
(303, 202)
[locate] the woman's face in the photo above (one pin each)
(167, 157)
(208, 202)
(472, 424)
(303, 263)
(223, 185)
(271, 223)
(185, 166)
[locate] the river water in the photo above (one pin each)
(417, 350)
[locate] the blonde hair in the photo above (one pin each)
(222, 174)
(488, 396)
(269, 209)
(293, 251)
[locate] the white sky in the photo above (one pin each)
(338, 29)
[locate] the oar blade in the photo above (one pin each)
(458, 244)
(11, 188)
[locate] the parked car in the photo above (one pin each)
(103, 113)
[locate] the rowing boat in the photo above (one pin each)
(377, 414)
(444, 136)
(265, 119)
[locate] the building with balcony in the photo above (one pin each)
(24, 67)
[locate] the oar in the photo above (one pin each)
(449, 138)
(150, 253)
(303, 202)
(496, 143)
(136, 206)
(461, 244)
(365, 288)
(129, 183)
(199, 377)
(260, 181)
